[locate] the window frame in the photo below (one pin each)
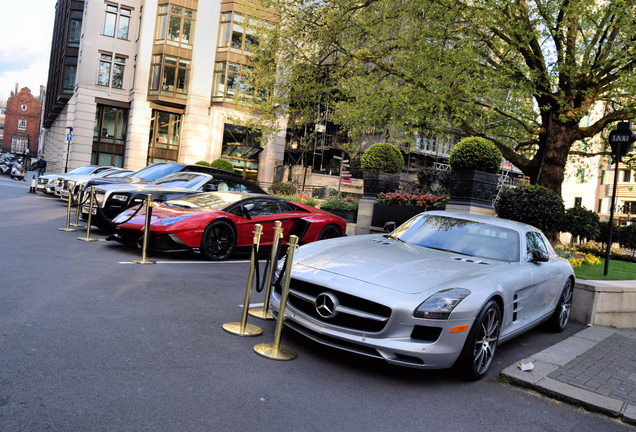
(22, 124)
(111, 63)
(166, 14)
(114, 13)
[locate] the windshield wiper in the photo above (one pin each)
(392, 237)
(448, 250)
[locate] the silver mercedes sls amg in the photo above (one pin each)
(443, 289)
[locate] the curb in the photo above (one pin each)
(549, 360)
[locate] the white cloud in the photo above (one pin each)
(26, 33)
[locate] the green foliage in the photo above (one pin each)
(383, 157)
(282, 189)
(628, 237)
(223, 164)
(407, 199)
(534, 205)
(202, 162)
(303, 199)
(319, 192)
(336, 202)
(475, 153)
(582, 223)
(604, 232)
(434, 180)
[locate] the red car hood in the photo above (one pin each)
(159, 212)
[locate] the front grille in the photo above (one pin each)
(353, 312)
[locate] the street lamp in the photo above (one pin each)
(69, 138)
(621, 140)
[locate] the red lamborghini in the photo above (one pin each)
(218, 223)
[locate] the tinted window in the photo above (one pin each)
(82, 170)
(264, 207)
(155, 172)
(209, 200)
(461, 236)
(534, 241)
(184, 180)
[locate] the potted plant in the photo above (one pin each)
(475, 163)
(345, 207)
(382, 164)
(401, 206)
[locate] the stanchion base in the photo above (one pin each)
(90, 239)
(267, 350)
(235, 329)
(77, 225)
(67, 229)
(144, 261)
(258, 313)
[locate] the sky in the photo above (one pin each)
(26, 31)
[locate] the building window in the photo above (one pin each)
(629, 207)
(169, 76)
(165, 137)
(70, 68)
(19, 145)
(75, 28)
(580, 175)
(233, 81)
(22, 124)
(241, 146)
(627, 176)
(599, 209)
(578, 201)
(109, 136)
(238, 33)
(111, 73)
(117, 20)
(603, 177)
(175, 26)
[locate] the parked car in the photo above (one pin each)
(48, 182)
(114, 198)
(442, 289)
(76, 182)
(63, 179)
(219, 223)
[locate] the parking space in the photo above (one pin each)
(90, 342)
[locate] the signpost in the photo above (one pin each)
(620, 140)
(69, 138)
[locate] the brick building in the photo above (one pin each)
(22, 121)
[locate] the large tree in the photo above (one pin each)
(535, 76)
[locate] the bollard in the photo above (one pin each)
(242, 328)
(68, 219)
(264, 313)
(77, 207)
(144, 245)
(274, 351)
(33, 184)
(91, 202)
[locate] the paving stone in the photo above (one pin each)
(630, 414)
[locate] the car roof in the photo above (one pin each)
(210, 170)
(506, 223)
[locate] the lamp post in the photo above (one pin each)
(621, 140)
(69, 138)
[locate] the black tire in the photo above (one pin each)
(218, 241)
(330, 231)
(561, 315)
(479, 350)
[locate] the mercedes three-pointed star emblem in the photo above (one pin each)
(326, 305)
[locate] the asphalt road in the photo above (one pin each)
(89, 342)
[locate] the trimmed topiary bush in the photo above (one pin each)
(534, 205)
(604, 233)
(282, 189)
(382, 157)
(582, 223)
(475, 153)
(202, 162)
(223, 164)
(628, 237)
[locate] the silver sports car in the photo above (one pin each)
(443, 289)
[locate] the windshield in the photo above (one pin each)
(86, 169)
(107, 172)
(184, 180)
(461, 236)
(155, 172)
(209, 200)
(124, 173)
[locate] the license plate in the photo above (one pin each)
(85, 210)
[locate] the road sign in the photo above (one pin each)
(69, 137)
(621, 139)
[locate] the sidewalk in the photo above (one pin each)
(595, 368)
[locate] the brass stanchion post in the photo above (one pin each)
(144, 246)
(274, 351)
(264, 313)
(68, 219)
(88, 237)
(243, 328)
(77, 207)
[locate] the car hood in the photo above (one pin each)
(393, 264)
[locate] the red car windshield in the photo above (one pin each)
(209, 200)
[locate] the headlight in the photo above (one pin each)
(280, 268)
(441, 304)
(174, 220)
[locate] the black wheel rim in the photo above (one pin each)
(486, 341)
(565, 305)
(329, 232)
(219, 241)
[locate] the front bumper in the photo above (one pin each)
(404, 340)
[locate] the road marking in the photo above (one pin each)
(192, 262)
(253, 305)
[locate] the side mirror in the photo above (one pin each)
(389, 227)
(246, 210)
(539, 256)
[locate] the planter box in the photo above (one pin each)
(376, 182)
(351, 216)
(473, 188)
(383, 213)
